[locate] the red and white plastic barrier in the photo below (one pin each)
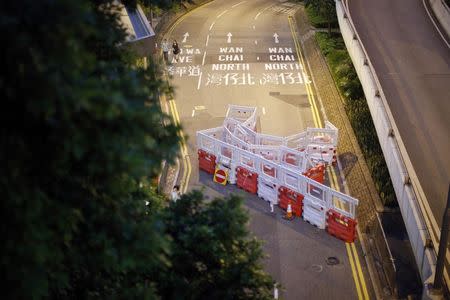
(285, 195)
(247, 180)
(341, 226)
(206, 161)
(280, 169)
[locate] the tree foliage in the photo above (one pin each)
(81, 131)
(324, 10)
(212, 257)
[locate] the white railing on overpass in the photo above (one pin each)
(420, 223)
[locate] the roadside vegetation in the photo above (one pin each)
(82, 136)
(341, 66)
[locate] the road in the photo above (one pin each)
(245, 53)
(413, 66)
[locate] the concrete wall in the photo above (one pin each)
(442, 14)
(390, 144)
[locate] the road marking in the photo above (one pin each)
(181, 142)
(355, 264)
(256, 42)
(185, 36)
(203, 60)
(193, 112)
(212, 24)
(238, 4)
(310, 94)
(275, 35)
(358, 275)
(199, 80)
(264, 110)
(186, 161)
(207, 40)
(224, 12)
(352, 265)
(184, 150)
(258, 14)
(229, 35)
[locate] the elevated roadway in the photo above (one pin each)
(412, 63)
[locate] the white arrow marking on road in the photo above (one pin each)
(185, 36)
(275, 35)
(229, 35)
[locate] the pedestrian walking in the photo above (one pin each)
(165, 49)
(175, 195)
(176, 50)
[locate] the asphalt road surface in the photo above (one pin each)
(413, 65)
(243, 52)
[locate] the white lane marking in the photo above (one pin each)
(203, 61)
(264, 110)
(229, 35)
(212, 24)
(207, 40)
(434, 23)
(257, 58)
(258, 14)
(185, 36)
(275, 35)
(199, 80)
(193, 112)
(222, 13)
(238, 4)
(256, 42)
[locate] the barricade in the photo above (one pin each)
(232, 174)
(285, 195)
(206, 161)
(316, 173)
(341, 226)
(261, 163)
(267, 190)
(247, 180)
(314, 212)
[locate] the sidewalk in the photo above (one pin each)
(353, 166)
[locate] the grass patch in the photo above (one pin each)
(358, 112)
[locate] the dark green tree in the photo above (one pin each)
(325, 9)
(212, 256)
(81, 131)
(76, 141)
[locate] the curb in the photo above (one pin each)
(168, 24)
(439, 14)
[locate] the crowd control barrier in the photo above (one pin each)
(247, 180)
(206, 161)
(316, 173)
(340, 226)
(285, 195)
(281, 170)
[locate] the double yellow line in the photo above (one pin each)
(352, 253)
(187, 168)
